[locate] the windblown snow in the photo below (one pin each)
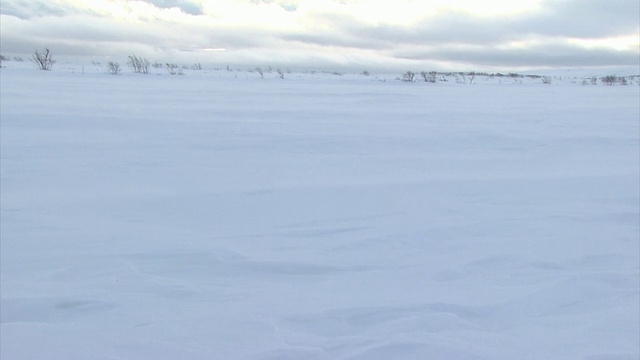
(218, 215)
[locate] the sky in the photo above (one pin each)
(358, 34)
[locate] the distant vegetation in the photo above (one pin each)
(174, 69)
(409, 76)
(138, 64)
(612, 80)
(43, 60)
(113, 68)
(468, 78)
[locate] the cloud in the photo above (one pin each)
(32, 9)
(559, 54)
(454, 33)
(188, 7)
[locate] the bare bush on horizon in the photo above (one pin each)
(43, 60)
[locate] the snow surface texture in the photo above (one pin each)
(220, 216)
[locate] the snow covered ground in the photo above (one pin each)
(220, 216)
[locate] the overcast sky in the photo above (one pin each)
(365, 34)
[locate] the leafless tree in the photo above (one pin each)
(409, 76)
(43, 60)
(113, 68)
(609, 80)
(139, 64)
(174, 69)
(429, 76)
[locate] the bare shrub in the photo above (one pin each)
(280, 74)
(546, 80)
(113, 68)
(471, 78)
(43, 60)
(156, 65)
(138, 64)
(429, 77)
(609, 80)
(174, 69)
(259, 71)
(409, 76)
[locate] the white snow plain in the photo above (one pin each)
(220, 216)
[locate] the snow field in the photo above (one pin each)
(213, 216)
